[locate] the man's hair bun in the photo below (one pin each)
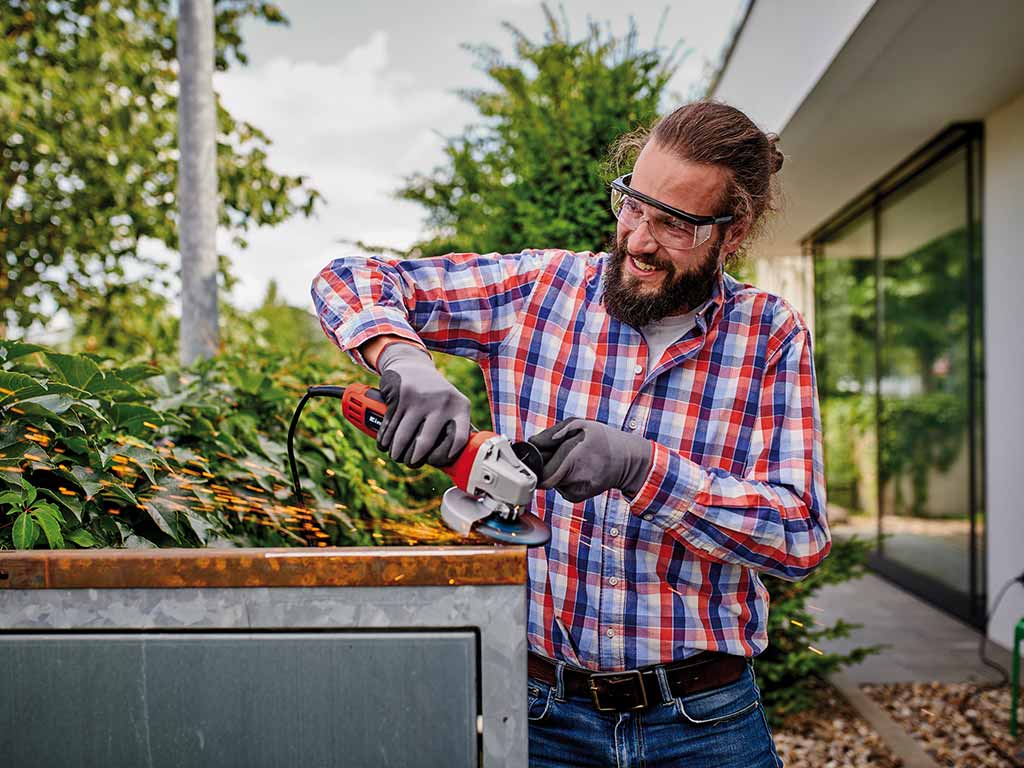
(777, 157)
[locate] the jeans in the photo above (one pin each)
(720, 728)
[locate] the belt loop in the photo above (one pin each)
(559, 683)
(666, 692)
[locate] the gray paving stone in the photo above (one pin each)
(922, 643)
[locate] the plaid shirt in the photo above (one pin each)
(736, 486)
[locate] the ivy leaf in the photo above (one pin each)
(87, 481)
(120, 493)
(54, 404)
(25, 532)
(30, 492)
(10, 497)
(166, 520)
(83, 538)
(11, 350)
(112, 386)
(130, 417)
(70, 503)
(17, 386)
(141, 372)
(76, 370)
(49, 520)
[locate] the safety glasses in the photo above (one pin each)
(677, 230)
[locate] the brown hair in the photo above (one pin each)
(714, 133)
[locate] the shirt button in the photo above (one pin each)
(638, 370)
(614, 531)
(649, 516)
(610, 633)
(632, 423)
(613, 581)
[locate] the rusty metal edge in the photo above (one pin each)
(278, 567)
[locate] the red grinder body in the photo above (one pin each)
(363, 406)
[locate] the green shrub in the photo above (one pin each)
(791, 670)
(96, 453)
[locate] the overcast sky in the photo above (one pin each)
(358, 95)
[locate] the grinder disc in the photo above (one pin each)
(527, 529)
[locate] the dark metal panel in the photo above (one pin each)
(239, 699)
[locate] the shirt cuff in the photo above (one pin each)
(373, 321)
(670, 489)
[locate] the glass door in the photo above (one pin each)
(898, 347)
(925, 377)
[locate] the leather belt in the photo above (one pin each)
(637, 688)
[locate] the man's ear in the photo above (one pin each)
(733, 238)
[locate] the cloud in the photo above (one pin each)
(355, 127)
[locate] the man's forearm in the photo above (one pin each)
(371, 349)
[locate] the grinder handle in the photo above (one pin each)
(364, 406)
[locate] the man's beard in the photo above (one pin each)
(678, 293)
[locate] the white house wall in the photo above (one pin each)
(1003, 231)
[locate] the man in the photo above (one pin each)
(676, 412)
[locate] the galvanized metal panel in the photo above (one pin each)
(498, 614)
(239, 699)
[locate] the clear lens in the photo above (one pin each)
(666, 230)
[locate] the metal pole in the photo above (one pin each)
(197, 181)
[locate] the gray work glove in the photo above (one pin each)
(583, 458)
(427, 419)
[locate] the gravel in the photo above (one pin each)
(832, 735)
(939, 716)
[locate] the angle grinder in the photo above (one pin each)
(494, 478)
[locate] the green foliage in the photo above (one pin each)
(125, 320)
(531, 175)
(920, 434)
(790, 671)
(923, 351)
(847, 422)
(32, 514)
(98, 453)
(88, 159)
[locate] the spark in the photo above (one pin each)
(151, 426)
(815, 650)
(795, 622)
(815, 608)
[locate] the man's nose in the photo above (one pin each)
(640, 239)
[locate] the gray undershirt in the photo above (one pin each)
(662, 333)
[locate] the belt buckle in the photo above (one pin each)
(613, 679)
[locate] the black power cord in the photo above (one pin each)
(1011, 760)
(319, 390)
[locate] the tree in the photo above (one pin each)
(531, 175)
(88, 166)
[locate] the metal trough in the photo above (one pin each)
(409, 656)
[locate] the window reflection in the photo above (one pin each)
(845, 356)
(924, 399)
(898, 354)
